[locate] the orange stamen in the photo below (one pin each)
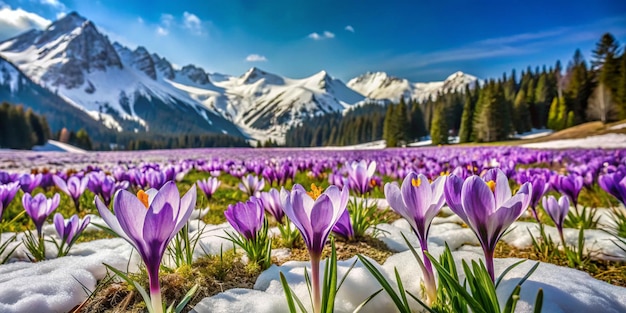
(492, 185)
(143, 197)
(315, 191)
(416, 182)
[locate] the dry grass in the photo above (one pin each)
(369, 246)
(213, 275)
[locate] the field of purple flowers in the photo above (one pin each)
(277, 205)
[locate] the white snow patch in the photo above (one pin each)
(534, 133)
(606, 141)
(618, 126)
(57, 146)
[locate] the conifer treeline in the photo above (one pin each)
(21, 129)
(151, 141)
(491, 111)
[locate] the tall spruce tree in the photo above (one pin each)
(579, 88)
(418, 127)
(439, 127)
(401, 122)
(521, 113)
(620, 98)
(465, 130)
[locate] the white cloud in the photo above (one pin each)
(53, 3)
(256, 58)
(349, 28)
(315, 36)
(167, 19)
(161, 31)
(325, 35)
(140, 20)
(14, 22)
(192, 22)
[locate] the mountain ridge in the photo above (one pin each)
(132, 90)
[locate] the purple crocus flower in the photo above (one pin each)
(246, 217)
(39, 208)
(209, 186)
(557, 212)
(149, 221)
(74, 187)
(570, 185)
(344, 227)
(419, 201)
(105, 186)
(314, 219)
(487, 207)
(28, 182)
(615, 184)
(7, 193)
(540, 187)
(155, 178)
(69, 231)
(251, 184)
(271, 202)
(360, 176)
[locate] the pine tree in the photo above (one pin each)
(552, 115)
(439, 127)
(621, 91)
(522, 114)
(542, 99)
(401, 122)
(389, 126)
(418, 127)
(465, 130)
(570, 119)
(578, 88)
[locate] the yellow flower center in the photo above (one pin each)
(315, 191)
(143, 197)
(373, 183)
(492, 185)
(446, 173)
(416, 182)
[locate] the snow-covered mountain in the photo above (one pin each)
(138, 90)
(379, 85)
(15, 87)
(127, 90)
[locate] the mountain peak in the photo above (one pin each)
(68, 22)
(255, 74)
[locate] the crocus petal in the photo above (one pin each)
(131, 214)
(452, 192)
(437, 187)
(478, 201)
(503, 218)
(416, 198)
(338, 197)
(111, 220)
(187, 204)
(302, 205)
(157, 229)
(59, 225)
(322, 221)
(394, 198)
(168, 194)
(502, 191)
(61, 184)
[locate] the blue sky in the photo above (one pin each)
(421, 40)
